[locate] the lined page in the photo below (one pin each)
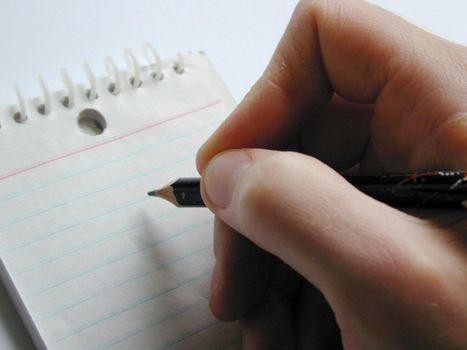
(92, 261)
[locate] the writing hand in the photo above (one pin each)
(298, 249)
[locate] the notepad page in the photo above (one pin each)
(90, 260)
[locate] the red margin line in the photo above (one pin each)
(116, 138)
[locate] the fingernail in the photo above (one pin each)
(222, 174)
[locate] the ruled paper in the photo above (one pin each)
(91, 261)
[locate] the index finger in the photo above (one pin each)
(348, 47)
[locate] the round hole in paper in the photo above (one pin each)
(91, 122)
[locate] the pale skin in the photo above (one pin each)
(304, 260)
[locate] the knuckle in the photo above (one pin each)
(329, 9)
(266, 182)
(262, 180)
(264, 176)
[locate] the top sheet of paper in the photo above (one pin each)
(90, 259)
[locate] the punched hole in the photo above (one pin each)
(90, 96)
(41, 109)
(133, 82)
(178, 68)
(66, 102)
(18, 119)
(154, 76)
(111, 87)
(91, 122)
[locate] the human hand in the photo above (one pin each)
(351, 84)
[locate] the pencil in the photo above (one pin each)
(440, 189)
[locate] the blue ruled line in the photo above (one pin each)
(41, 238)
(94, 192)
(113, 234)
(76, 224)
(178, 341)
(122, 283)
(132, 306)
(150, 325)
(102, 164)
(97, 267)
(123, 231)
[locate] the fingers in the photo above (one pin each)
(351, 247)
(339, 135)
(350, 47)
(240, 275)
(243, 273)
(251, 285)
(316, 325)
(306, 214)
(269, 326)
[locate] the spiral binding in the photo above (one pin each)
(115, 85)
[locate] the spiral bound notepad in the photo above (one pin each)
(89, 259)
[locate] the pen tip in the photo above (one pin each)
(166, 193)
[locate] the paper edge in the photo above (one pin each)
(21, 307)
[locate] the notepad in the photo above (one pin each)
(90, 261)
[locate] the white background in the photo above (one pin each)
(239, 37)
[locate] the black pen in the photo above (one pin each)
(440, 189)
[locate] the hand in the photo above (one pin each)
(300, 253)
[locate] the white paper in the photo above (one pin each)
(91, 261)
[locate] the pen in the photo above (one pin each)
(440, 189)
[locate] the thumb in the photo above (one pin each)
(303, 212)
